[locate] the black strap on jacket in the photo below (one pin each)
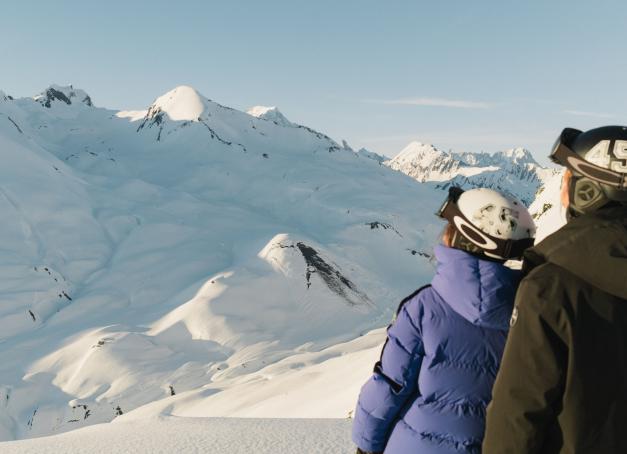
(396, 387)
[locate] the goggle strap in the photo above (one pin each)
(506, 249)
(565, 156)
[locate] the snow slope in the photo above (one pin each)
(371, 155)
(269, 113)
(191, 246)
(192, 260)
(546, 209)
(197, 435)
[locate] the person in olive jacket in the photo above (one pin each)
(562, 385)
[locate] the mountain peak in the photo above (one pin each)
(180, 104)
(271, 113)
(418, 152)
(512, 171)
(65, 94)
(371, 155)
(519, 155)
(424, 162)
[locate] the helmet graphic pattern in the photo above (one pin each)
(500, 221)
(489, 222)
(590, 188)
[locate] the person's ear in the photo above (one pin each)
(564, 190)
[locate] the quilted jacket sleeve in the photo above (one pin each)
(393, 382)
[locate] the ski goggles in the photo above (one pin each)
(562, 154)
(491, 245)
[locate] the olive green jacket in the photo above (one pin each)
(562, 386)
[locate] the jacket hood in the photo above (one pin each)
(593, 247)
(479, 290)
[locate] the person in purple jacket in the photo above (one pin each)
(429, 391)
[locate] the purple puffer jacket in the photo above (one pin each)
(429, 392)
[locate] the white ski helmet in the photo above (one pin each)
(488, 222)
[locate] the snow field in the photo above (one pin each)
(190, 260)
(197, 435)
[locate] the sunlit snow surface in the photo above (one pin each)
(193, 260)
(197, 435)
(147, 258)
(546, 209)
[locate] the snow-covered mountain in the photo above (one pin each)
(68, 95)
(513, 171)
(365, 153)
(156, 252)
(371, 155)
(195, 260)
(269, 113)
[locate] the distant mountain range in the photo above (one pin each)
(512, 171)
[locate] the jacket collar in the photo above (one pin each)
(479, 290)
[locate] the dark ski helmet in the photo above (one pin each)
(488, 223)
(598, 161)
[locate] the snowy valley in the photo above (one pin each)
(193, 260)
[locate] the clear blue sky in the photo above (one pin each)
(467, 75)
